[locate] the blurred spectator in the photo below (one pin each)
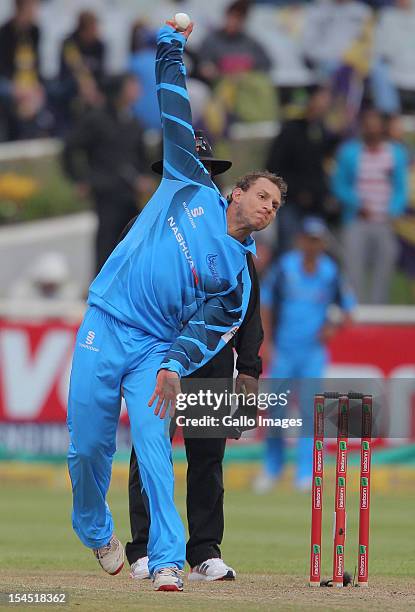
(338, 42)
(370, 181)
(82, 66)
(282, 3)
(105, 155)
(395, 45)
(231, 50)
(296, 295)
(378, 4)
(22, 97)
(299, 153)
(141, 63)
(405, 225)
(48, 278)
(237, 66)
(329, 31)
(395, 129)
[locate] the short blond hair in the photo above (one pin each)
(247, 180)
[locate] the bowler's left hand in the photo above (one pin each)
(246, 384)
(166, 391)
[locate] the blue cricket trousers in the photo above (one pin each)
(111, 357)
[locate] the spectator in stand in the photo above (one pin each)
(22, 96)
(405, 225)
(379, 4)
(371, 182)
(237, 67)
(329, 31)
(231, 50)
(105, 155)
(395, 45)
(299, 152)
(141, 64)
(82, 67)
(295, 296)
(338, 43)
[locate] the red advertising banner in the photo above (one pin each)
(35, 361)
(35, 364)
(388, 349)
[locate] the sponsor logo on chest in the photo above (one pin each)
(192, 213)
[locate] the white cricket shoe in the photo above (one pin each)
(111, 556)
(168, 579)
(212, 569)
(139, 569)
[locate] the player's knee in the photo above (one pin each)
(91, 450)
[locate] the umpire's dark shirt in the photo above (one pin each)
(247, 341)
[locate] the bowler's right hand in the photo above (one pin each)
(186, 33)
(167, 390)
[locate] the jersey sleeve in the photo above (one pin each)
(212, 326)
(180, 161)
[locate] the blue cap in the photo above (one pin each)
(315, 227)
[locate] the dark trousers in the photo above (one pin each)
(204, 502)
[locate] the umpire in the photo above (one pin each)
(205, 490)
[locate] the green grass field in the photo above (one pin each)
(266, 540)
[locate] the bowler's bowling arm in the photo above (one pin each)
(180, 161)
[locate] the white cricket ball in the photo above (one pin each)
(182, 21)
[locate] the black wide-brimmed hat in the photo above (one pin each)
(204, 153)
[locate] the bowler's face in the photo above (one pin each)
(259, 205)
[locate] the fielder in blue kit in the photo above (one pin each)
(169, 297)
(296, 295)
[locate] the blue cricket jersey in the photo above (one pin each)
(300, 300)
(178, 275)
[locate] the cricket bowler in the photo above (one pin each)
(170, 296)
